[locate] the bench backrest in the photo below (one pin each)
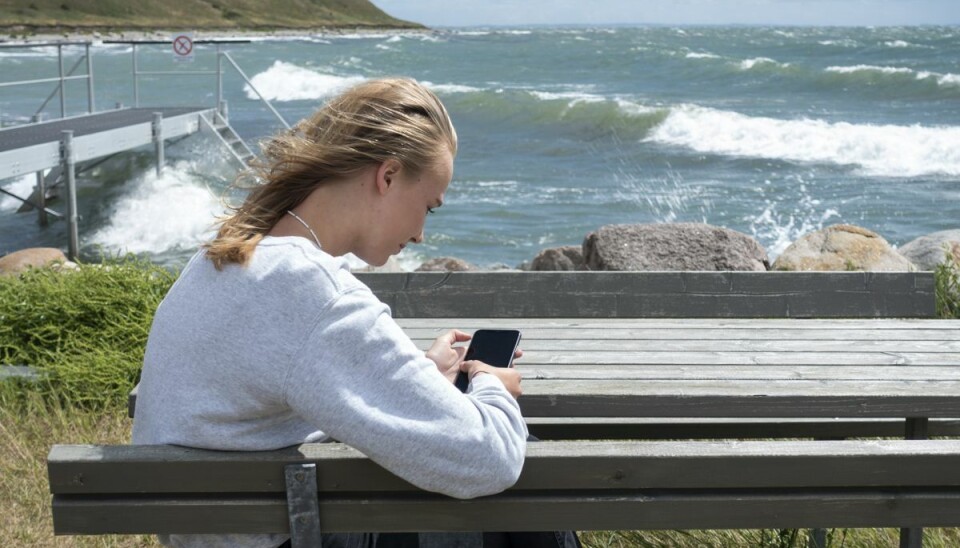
(656, 294)
(581, 485)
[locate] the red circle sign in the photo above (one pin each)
(182, 45)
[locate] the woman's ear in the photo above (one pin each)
(387, 174)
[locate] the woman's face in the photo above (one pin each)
(404, 207)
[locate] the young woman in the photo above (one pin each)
(267, 340)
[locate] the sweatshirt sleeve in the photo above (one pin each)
(361, 380)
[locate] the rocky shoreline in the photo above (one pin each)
(674, 247)
(703, 247)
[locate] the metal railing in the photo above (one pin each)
(221, 55)
(62, 77)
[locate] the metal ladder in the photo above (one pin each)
(224, 133)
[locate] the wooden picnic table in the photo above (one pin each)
(789, 368)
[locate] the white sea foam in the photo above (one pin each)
(288, 82)
(698, 55)
(942, 80)
(450, 88)
(897, 44)
(846, 43)
(882, 150)
(174, 210)
(749, 64)
(21, 186)
(573, 96)
(868, 68)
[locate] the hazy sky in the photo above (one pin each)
(781, 12)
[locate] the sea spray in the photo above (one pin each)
(159, 213)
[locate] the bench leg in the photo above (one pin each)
(818, 538)
(916, 429)
(303, 508)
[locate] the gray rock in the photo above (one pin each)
(842, 247)
(446, 264)
(559, 258)
(18, 261)
(926, 252)
(672, 246)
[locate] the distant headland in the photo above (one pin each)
(26, 18)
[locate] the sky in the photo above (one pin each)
(458, 13)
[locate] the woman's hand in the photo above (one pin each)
(445, 355)
(509, 376)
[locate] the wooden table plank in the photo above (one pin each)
(691, 323)
(578, 343)
(537, 332)
(739, 372)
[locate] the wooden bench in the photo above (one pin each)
(584, 485)
(606, 358)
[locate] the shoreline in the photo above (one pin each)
(15, 36)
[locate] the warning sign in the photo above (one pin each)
(183, 48)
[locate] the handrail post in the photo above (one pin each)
(158, 140)
(91, 106)
(66, 160)
(63, 91)
(219, 78)
(41, 188)
(136, 91)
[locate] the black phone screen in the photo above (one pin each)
(494, 347)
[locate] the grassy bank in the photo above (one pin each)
(85, 331)
(46, 15)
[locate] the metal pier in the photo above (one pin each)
(62, 145)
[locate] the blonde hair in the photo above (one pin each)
(364, 126)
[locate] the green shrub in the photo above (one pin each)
(947, 276)
(84, 330)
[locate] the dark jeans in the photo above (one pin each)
(546, 539)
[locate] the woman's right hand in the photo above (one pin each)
(509, 376)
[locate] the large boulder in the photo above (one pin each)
(559, 258)
(926, 252)
(672, 246)
(445, 264)
(842, 247)
(36, 257)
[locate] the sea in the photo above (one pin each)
(771, 131)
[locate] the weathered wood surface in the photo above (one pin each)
(580, 485)
(656, 294)
(730, 368)
(653, 509)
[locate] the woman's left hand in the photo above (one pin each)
(446, 355)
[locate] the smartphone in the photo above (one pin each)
(494, 347)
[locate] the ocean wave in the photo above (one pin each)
(875, 73)
(697, 55)
(880, 150)
(159, 213)
(451, 88)
(21, 186)
(760, 62)
(844, 43)
(288, 82)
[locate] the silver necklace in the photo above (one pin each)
(305, 225)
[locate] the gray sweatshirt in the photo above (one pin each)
(292, 348)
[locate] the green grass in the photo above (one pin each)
(200, 14)
(947, 275)
(85, 331)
